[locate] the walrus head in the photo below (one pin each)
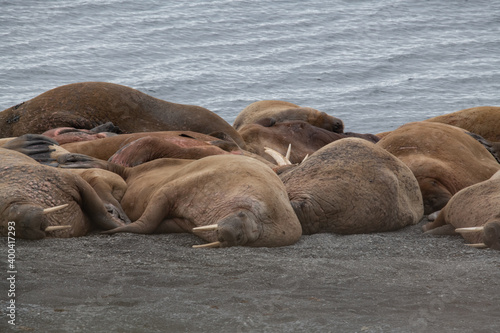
(31, 221)
(491, 234)
(324, 120)
(235, 230)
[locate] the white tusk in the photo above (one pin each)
(211, 227)
(210, 245)
(279, 158)
(469, 230)
(478, 245)
(289, 150)
(54, 209)
(305, 158)
(57, 227)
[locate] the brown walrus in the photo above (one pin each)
(30, 188)
(281, 111)
(106, 147)
(87, 105)
(236, 200)
(353, 186)
(444, 159)
(303, 137)
(482, 120)
(474, 212)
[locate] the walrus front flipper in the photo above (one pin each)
(80, 161)
(447, 230)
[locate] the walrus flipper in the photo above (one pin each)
(38, 147)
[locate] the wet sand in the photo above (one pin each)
(400, 281)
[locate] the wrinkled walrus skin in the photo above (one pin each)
(87, 105)
(243, 196)
(27, 188)
(353, 186)
(477, 205)
(443, 158)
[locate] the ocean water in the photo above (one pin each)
(374, 64)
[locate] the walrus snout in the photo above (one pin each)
(492, 235)
(325, 121)
(29, 221)
(337, 126)
(237, 230)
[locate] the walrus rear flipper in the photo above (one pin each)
(107, 127)
(38, 147)
(156, 212)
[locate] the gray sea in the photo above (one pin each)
(374, 64)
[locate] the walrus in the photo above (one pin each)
(228, 200)
(282, 111)
(107, 147)
(70, 134)
(353, 186)
(86, 105)
(303, 137)
(149, 148)
(482, 120)
(473, 212)
(444, 159)
(136, 148)
(30, 191)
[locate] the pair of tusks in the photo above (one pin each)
(279, 158)
(211, 227)
(52, 210)
(469, 230)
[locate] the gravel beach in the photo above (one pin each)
(401, 281)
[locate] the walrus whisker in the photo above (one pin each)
(278, 157)
(478, 245)
(57, 227)
(208, 245)
(211, 227)
(54, 209)
(469, 230)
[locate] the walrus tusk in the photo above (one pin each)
(209, 245)
(470, 229)
(279, 158)
(57, 227)
(54, 209)
(478, 245)
(305, 158)
(211, 227)
(288, 151)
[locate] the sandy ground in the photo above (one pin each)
(388, 282)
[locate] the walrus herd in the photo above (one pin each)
(102, 157)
